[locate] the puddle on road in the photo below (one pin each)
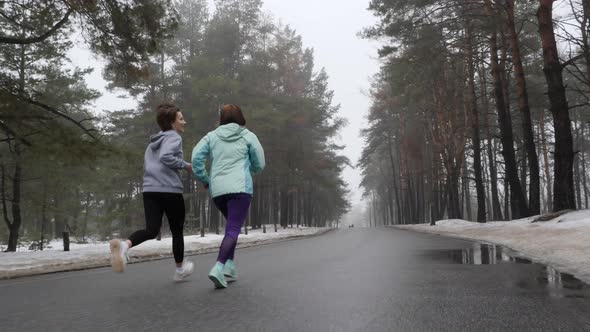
(479, 254)
(557, 283)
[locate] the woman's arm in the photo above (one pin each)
(171, 146)
(256, 154)
(199, 158)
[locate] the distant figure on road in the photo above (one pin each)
(235, 152)
(162, 191)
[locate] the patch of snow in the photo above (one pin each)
(563, 242)
(89, 255)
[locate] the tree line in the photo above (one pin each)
(480, 110)
(65, 166)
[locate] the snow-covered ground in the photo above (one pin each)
(563, 242)
(82, 256)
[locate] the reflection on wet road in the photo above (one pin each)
(545, 277)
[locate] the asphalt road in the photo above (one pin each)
(348, 280)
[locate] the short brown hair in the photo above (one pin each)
(231, 113)
(166, 115)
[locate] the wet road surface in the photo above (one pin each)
(350, 280)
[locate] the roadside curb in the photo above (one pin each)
(96, 260)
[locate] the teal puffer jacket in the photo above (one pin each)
(235, 153)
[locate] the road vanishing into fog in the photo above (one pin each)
(346, 280)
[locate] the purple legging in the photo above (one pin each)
(234, 208)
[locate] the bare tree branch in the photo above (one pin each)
(576, 106)
(11, 132)
(58, 113)
(572, 60)
(32, 40)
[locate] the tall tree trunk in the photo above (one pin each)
(577, 161)
(546, 161)
(58, 220)
(311, 207)
(290, 202)
(276, 206)
(585, 31)
(372, 210)
(578, 181)
(454, 201)
(507, 210)
(16, 196)
(467, 215)
(485, 174)
(84, 227)
(523, 166)
(544, 198)
(583, 162)
(496, 207)
(479, 187)
(284, 207)
(411, 190)
(391, 184)
(44, 218)
(518, 201)
(523, 104)
(435, 202)
(563, 185)
(14, 226)
(296, 207)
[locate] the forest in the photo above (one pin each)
(66, 165)
(481, 110)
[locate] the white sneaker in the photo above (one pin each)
(118, 256)
(187, 269)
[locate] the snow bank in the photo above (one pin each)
(84, 256)
(562, 242)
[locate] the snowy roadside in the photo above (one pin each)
(562, 242)
(84, 256)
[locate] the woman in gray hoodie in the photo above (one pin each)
(162, 191)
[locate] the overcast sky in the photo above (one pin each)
(330, 27)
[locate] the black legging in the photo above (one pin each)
(155, 205)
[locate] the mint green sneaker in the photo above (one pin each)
(216, 275)
(229, 269)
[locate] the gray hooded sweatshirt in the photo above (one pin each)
(163, 161)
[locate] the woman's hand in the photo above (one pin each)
(204, 188)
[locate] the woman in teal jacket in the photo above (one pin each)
(235, 154)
